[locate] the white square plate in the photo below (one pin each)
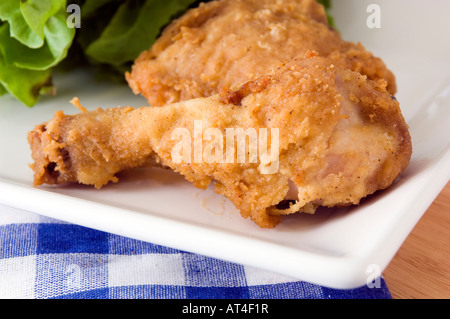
(337, 248)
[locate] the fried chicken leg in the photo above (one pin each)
(341, 137)
(225, 43)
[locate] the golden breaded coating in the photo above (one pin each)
(225, 43)
(340, 138)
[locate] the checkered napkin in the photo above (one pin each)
(42, 258)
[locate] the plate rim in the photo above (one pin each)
(346, 271)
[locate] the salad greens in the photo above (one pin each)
(33, 39)
(36, 37)
(129, 31)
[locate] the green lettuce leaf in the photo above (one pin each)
(2, 90)
(25, 85)
(133, 29)
(58, 39)
(34, 38)
(19, 28)
(37, 12)
(90, 7)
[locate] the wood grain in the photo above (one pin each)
(421, 268)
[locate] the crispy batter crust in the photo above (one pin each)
(226, 43)
(341, 138)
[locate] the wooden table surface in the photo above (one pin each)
(421, 268)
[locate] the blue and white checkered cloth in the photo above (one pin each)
(43, 258)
